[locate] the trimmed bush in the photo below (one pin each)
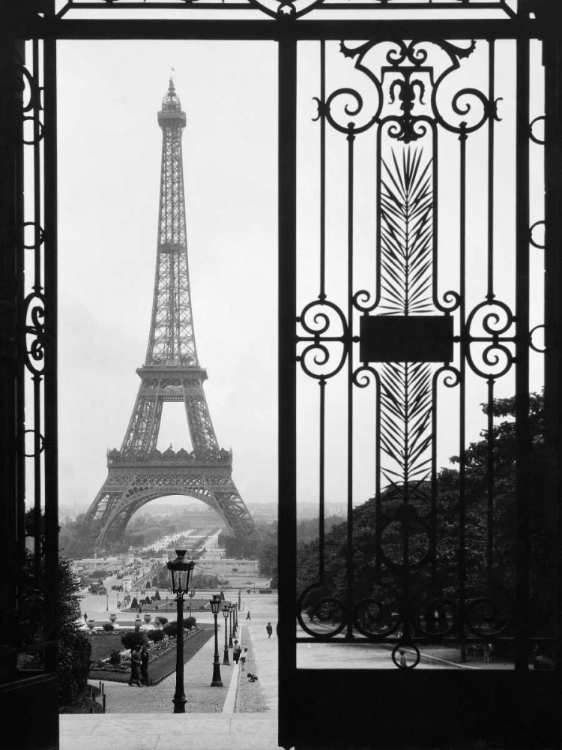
(171, 628)
(108, 627)
(161, 620)
(189, 622)
(157, 596)
(130, 640)
(134, 603)
(155, 635)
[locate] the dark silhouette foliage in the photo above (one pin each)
(74, 648)
(132, 639)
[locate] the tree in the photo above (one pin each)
(132, 639)
(496, 580)
(74, 648)
(77, 539)
(234, 547)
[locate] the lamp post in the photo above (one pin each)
(226, 660)
(230, 623)
(190, 600)
(215, 606)
(235, 619)
(180, 573)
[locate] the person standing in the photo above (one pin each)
(135, 667)
(236, 651)
(269, 629)
(85, 617)
(248, 616)
(144, 665)
(243, 658)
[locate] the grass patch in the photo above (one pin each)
(103, 645)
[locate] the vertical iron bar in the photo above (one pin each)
(287, 207)
(349, 556)
(322, 170)
(322, 478)
(51, 327)
(490, 486)
(490, 296)
(37, 289)
(322, 296)
(12, 358)
(522, 439)
(462, 406)
(435, 273)
(491, 165)
(553, 306)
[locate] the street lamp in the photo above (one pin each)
(226, 660)
(215, 606)
(230, 621)
(235, 619)
(191, 595)
(180, 574)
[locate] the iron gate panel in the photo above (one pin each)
(426, 181)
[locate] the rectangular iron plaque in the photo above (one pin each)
(406, 338)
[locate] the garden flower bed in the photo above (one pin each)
(162, 660)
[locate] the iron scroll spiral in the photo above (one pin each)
(326, 608)
(35, 332)
(316, 320)
(495, 323)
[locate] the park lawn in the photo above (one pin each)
(103, 645)
(164, 665)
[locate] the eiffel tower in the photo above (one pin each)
(139, 473)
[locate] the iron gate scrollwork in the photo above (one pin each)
(424, 119)
(409, 336)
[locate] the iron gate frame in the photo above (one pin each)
(308, 716)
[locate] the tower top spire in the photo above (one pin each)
(171, 112)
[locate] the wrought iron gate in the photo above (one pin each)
(418, 272)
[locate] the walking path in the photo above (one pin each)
(142, 718)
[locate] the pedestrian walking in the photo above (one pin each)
(145, 656)
(248, 616)
(135, 667)
(269, 629)
(243, 658)
(236, 651)
(85, 616)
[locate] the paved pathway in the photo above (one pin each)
(141, 718)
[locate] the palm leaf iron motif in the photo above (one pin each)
(406, 240)
(406, 247)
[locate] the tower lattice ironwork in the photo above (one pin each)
(139, 472)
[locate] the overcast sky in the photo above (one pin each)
(110, 154)
(109, 173)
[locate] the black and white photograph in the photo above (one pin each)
(281, 374)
